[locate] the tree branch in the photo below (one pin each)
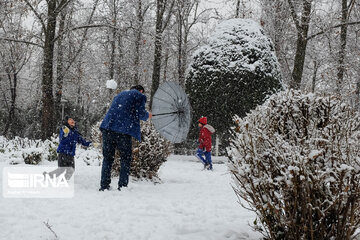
(294, 15)
(84, 27)
(61, 6)
(36, 14)
(350, 7)
(20, 41)
(94, 26)
(167, 19)
(328, 29)
(83, 37)
(50, 228)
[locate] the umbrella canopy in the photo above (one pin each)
(171, 112)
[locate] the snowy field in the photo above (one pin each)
(188, 204)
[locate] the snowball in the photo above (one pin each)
(111, 84)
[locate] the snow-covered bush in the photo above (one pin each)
(232, 74)
(24, 150)
(295, 162)
(91, 156)
(96, 137)
(32, 155)
(148, 155)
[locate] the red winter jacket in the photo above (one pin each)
(205, 137)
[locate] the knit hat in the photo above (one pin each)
(203, 120)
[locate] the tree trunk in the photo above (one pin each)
(59, 69)
(160, 6)
(112, 54)
(47, 114)
(113, 41)
(166, 60)
(157, 64)
(119, 68)
(140, 19)
(237, 11)
(180, 49)
(185, 12)
(298, 62)
(11, 117)
(279, 40)
(342, 51)
(301, 43)
(357, 95)
(316, 67)
(161, 24)
(184, 60)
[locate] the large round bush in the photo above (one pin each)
(232, 74)
(295, 162)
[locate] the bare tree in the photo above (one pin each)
(345, 12)
(276, 20)
(187, 15)
(63, 66)
(48, 22)
(14, 56)
(302, 27)
(60, 66)
(164, 10)
(120, 18)
(241, 10)
(141, 11)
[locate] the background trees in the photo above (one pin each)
(69, 48)
(14, 55)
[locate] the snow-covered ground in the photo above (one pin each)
(188, 204)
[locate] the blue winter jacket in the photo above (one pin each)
(68, 141)
(125, 113)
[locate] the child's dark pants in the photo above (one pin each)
(65, 162)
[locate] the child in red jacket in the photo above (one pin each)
(205, 143)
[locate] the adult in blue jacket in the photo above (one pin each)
(68, 138)
(121, 122)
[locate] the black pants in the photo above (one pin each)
(122, 142)
(65, 163)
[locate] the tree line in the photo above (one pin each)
(58, 54)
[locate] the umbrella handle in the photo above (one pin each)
(166, 113)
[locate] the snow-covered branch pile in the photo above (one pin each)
(295, 162)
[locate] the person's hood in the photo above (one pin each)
(210, 128)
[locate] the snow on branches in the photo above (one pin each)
(23, 150)
(295, 161)
(148, 155)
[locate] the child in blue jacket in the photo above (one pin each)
(68, 138)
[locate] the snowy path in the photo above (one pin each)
(189, 204)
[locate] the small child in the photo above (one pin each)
(205, 143)
(69, 137)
